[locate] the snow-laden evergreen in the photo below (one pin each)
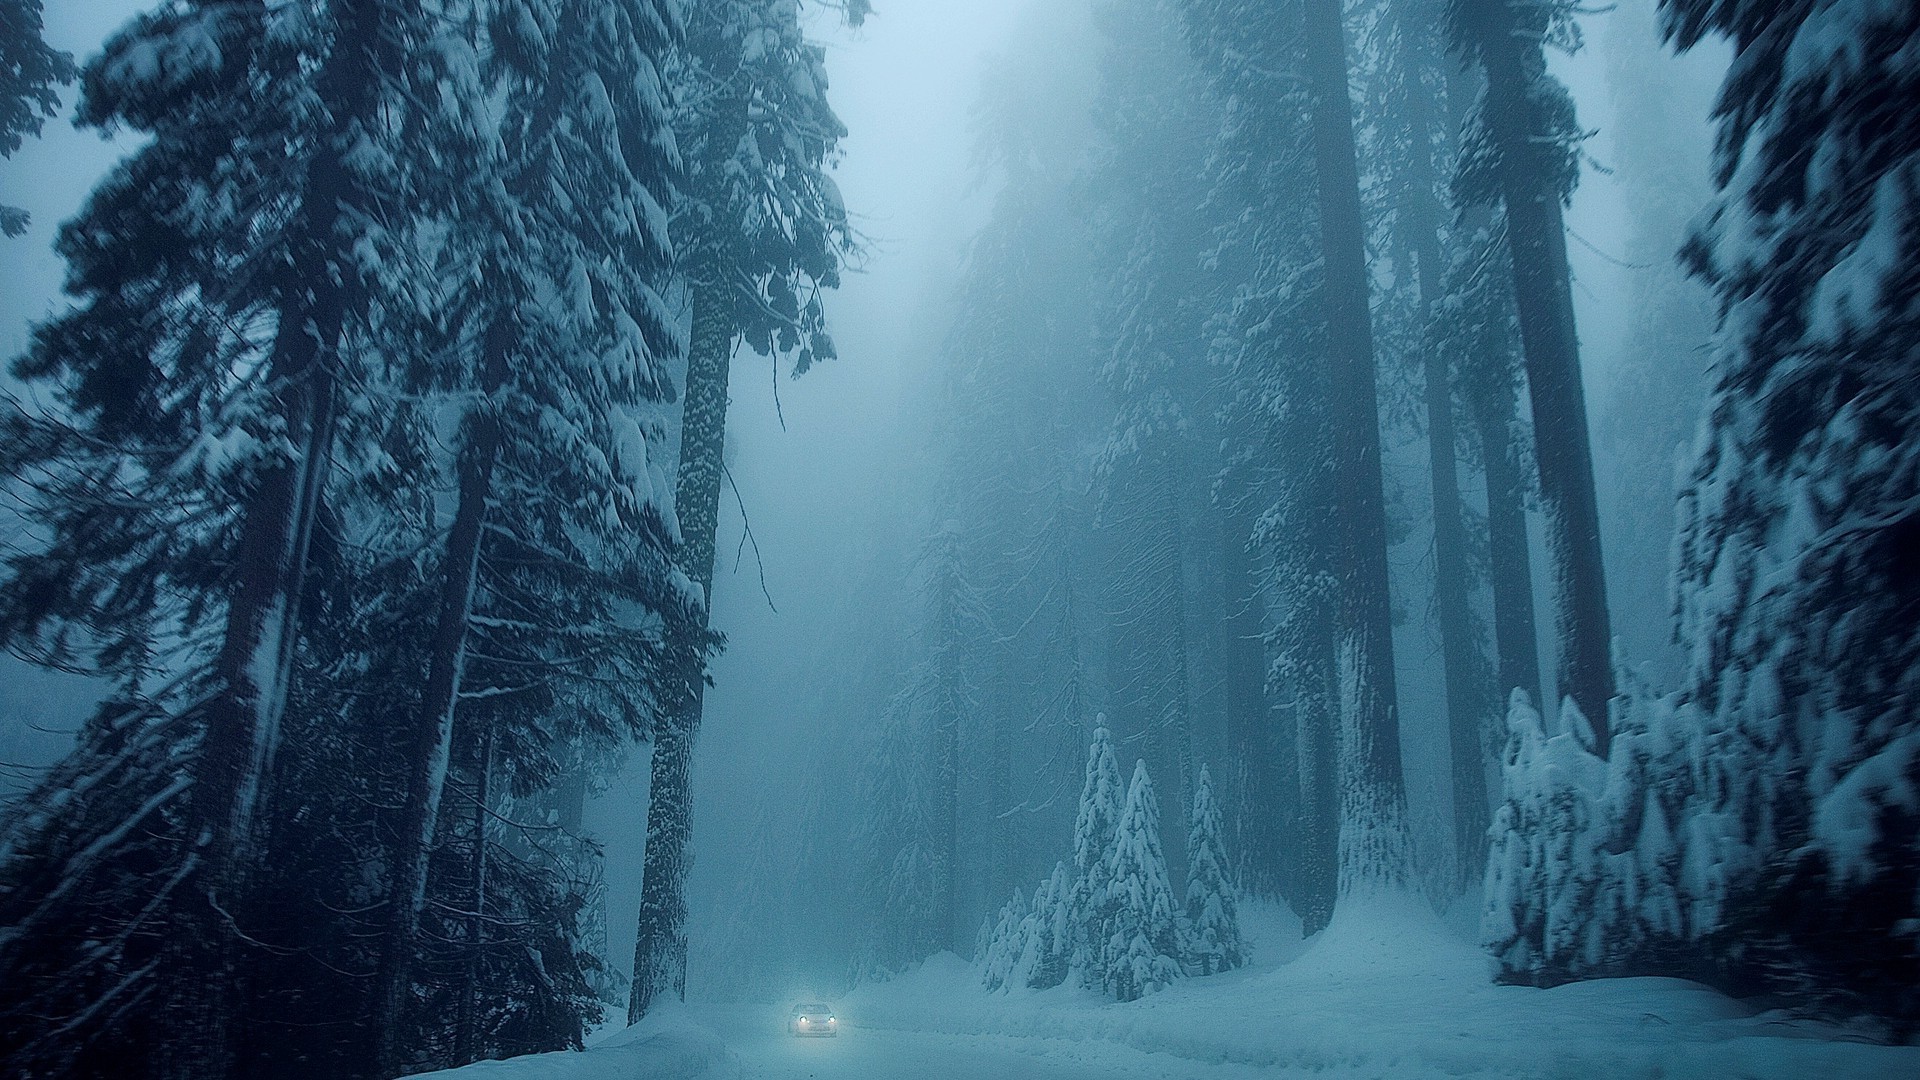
(1046, 937)
(1140, 922)
(1212, 913)
(1614, 866)
(1003, 942)
(1796, 574)
(1094, 827)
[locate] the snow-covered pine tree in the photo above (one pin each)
(1796, 575)
(1373, 801)
(29, 73)
(1004, 943)
(1212, 914)
(1270, 343)
(1616, 866)
(761, 230)
(227, 278)
(558, 536)
(1094, 826)
(1047, 944)
(1140, 923)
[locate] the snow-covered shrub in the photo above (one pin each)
(1611, 866)
(1046, 942)
(1002, 942)
(1212, 916)
(1140, 926)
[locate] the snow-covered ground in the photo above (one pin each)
(1387, 992)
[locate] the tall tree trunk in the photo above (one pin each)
(254, 668)
(1264, 811)
(1372, 790)
(1514, 634)
(1316, 730)
(660, 951)
(1470, 706)
(254, 665)
(428, 742)
(467, 1025)
(1510, 50)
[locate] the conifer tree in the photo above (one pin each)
(1798, 523)
(1048, 941)
(558, 504)
(1372, 788)
(760, 230)
(226, 278)
(1140, 927)
(1521, 152)
(1094, 828)
(1213, 916)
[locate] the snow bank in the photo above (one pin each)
(1388, 991)
(668, 1045)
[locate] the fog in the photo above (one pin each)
(1081, 491)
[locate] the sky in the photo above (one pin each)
(816, 460)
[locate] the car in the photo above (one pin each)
(813, 1019)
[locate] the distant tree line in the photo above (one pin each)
(1296, 255)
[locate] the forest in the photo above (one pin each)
(1109, 538)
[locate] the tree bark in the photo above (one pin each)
(1536, 237)
(660, 951)
(1372, 789)
(467, 1026)
(1316, 731)
(253, 668)
(1264, 811)
(1470, 706)
(431, 737)
(1514, 634)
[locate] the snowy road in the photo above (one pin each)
(766, 1052)
(1386, 994)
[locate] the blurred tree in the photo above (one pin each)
(29, 73)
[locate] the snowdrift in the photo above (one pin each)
(669, 1045)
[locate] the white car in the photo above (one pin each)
(812, 1020)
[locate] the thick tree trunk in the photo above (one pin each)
(1316, 729)
(1543, 296)
(1514, 635)
(660, 951)
(1372, 790)
(1264, 812)
(428, 743)
(1470, 705)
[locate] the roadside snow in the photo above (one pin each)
(1387, 992)
(669, 1045)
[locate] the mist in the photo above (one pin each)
(1033, 538)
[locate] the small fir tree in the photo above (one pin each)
(1213, 918)
(1047, 946)
(1093, 836)
(1003, 942)
(1140, 928)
